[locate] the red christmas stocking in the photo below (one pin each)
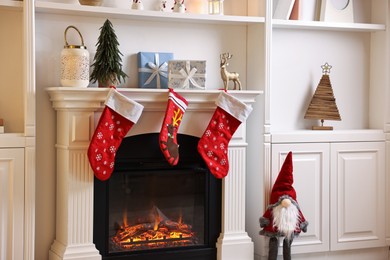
(175, 110)
(213, 145)
(118, 116)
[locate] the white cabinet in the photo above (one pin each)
(341, 189)
(17, 144)
(11, 203)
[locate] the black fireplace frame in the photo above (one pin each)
(137, 152)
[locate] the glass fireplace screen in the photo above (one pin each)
(155, 209)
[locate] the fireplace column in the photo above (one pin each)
(234, 242)
(75, 183)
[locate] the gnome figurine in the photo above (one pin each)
(283, 217)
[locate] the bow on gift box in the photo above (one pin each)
(188, 74)
(156, 70)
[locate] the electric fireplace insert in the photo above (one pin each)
(149, 209)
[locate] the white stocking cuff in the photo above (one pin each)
(124, 106)
(233, 106)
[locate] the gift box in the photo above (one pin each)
(187, 74)
(153, 69)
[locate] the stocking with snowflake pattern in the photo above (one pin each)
(117, 118)
(213, 145)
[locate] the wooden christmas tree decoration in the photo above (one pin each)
(323, 104)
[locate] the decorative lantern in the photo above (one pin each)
(197, 6)
(74, 63)
(216, 7)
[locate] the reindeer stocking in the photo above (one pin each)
(175, 110)
(213, 145)
(118, 116)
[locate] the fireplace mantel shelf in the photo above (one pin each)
(151, 99)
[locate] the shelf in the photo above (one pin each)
(75, 97)
(120, 13)
(12, 140)
(312, 136)
(11, 4)
(328, 26)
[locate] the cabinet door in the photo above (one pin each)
(357, 195)
(311, 183)
(11, 203)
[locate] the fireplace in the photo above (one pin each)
(77, 111)
(150, 209)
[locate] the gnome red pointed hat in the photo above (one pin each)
(283, 184)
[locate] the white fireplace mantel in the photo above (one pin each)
(78, 110)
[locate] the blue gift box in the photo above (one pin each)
(153, 69)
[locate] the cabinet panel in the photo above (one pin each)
(11, 72)
(311, 182)
(11, 203)
(357, 195)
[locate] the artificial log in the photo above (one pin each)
(132, 231)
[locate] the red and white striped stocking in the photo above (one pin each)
(176, 107)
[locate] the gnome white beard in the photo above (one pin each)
(285, 219)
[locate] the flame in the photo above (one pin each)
(157, 221)
(159, 233)
(180, 220)
(125, 224)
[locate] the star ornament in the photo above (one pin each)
(326, 68)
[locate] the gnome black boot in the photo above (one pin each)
(273, 248)
(287, 248)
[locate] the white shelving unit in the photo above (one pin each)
(120, 13)
(358, 55)
(281, 58)
(329, 26)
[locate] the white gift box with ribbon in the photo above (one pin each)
(153, 69)
(187, 74)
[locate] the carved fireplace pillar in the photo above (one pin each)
(74, 202)
(76, 115)
(234, 242)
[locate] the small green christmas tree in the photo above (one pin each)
(107, 67)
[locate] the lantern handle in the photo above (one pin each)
(73, 27)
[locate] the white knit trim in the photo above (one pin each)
(233, 106)
(123, 105)
(178, 101)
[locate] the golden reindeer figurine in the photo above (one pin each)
(226, 75)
